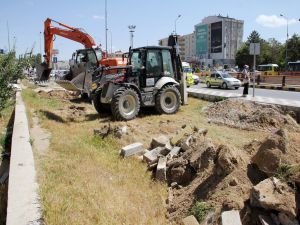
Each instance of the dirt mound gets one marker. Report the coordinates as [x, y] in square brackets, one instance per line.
[224, 176]
[249, 115]
[61, 94]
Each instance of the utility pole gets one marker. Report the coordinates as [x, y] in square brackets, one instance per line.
[8, 36]
[106, 28]
[287, 38]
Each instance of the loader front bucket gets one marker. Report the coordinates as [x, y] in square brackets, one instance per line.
[43, 72]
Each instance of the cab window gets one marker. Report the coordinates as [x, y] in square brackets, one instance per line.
[136, 61]
[153, 63]
[167, 63]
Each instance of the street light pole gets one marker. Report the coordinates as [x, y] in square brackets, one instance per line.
[110, 41]
[175, 22]
[131, 30]
[106, 27]
[41, 46]
[287, 38]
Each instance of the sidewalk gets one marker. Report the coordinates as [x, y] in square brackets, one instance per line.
[278, 87]
[212, 95]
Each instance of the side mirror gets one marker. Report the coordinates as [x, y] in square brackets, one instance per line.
[72, 62]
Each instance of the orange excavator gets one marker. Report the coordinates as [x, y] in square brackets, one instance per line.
[83, 60]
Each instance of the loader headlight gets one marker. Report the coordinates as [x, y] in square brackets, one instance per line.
[94, 86]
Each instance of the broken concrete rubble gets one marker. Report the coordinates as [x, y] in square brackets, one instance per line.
[231, 218]
[161, 169]
[190, 220]
[272, 194]
[132, 149]
[160, 141]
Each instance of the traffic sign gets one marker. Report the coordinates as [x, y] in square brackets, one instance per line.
[254, 48]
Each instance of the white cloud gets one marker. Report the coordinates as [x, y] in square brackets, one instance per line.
[96, 17]
[273, 21]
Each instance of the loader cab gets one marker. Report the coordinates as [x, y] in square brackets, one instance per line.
[149, 64]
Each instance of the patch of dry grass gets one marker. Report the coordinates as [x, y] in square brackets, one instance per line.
[84, 181]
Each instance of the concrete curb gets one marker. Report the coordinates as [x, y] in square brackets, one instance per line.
[23, 206]
[297, 89]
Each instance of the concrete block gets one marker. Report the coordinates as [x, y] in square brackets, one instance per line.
[174, 152]
[160, 141]
[152, 156]
[231, 218]
[190, 220]
[161, 170]
[132, 149]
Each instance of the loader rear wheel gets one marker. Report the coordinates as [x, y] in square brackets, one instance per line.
[168, 100]
[125, 104]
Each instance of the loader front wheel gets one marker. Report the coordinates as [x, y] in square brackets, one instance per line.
[96, 102]
[168, 100]
[125, 104]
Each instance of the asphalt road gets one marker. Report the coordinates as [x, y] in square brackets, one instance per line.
[289, 95]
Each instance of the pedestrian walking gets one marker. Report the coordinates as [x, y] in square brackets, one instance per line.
[246, 80]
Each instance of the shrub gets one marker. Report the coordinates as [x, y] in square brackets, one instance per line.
[10, 71]
[200, 210]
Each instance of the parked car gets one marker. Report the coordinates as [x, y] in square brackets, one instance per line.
[196, 79]
[223, 80]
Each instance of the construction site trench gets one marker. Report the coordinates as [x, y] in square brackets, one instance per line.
[207, 159]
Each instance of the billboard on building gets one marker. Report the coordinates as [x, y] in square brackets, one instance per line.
[216, 37]
[201, 39]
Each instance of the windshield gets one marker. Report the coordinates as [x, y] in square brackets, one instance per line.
[98, 54]
[226, 75]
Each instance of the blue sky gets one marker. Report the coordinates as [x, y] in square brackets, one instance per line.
[153, 19]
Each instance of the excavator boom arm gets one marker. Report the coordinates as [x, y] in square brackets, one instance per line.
[71, 33]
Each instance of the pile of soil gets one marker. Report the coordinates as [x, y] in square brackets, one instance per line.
[249, 115]
[224, 177]
[61, 94]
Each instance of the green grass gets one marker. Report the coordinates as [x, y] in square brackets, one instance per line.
[200, 210]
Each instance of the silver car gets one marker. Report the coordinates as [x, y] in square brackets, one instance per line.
[223, 80]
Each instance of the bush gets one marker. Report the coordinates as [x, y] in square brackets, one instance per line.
[10, 71]
[200, 210]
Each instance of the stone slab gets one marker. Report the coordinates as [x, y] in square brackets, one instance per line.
[231, 218]
[132, 149]
[161, 170]
[190, 220]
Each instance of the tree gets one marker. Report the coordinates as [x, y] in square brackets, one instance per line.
[10, 71]
[293, 45]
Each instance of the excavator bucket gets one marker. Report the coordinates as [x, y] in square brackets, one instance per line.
[43, 72]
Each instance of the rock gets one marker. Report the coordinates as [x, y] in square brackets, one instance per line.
[152, 156]
[120, 131]
[285, 220]
[269, 154]
[202, 155]
[187, 130]
[227, 159]
[173, 152]
[161, 169]
[103, 132]
[272, 194]
[190, 220]
[231, 218]
[132, 149]
[265, 220]
[170, 195]
[185, 143]
[233, 181]
[180, 174]
[160, 141]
